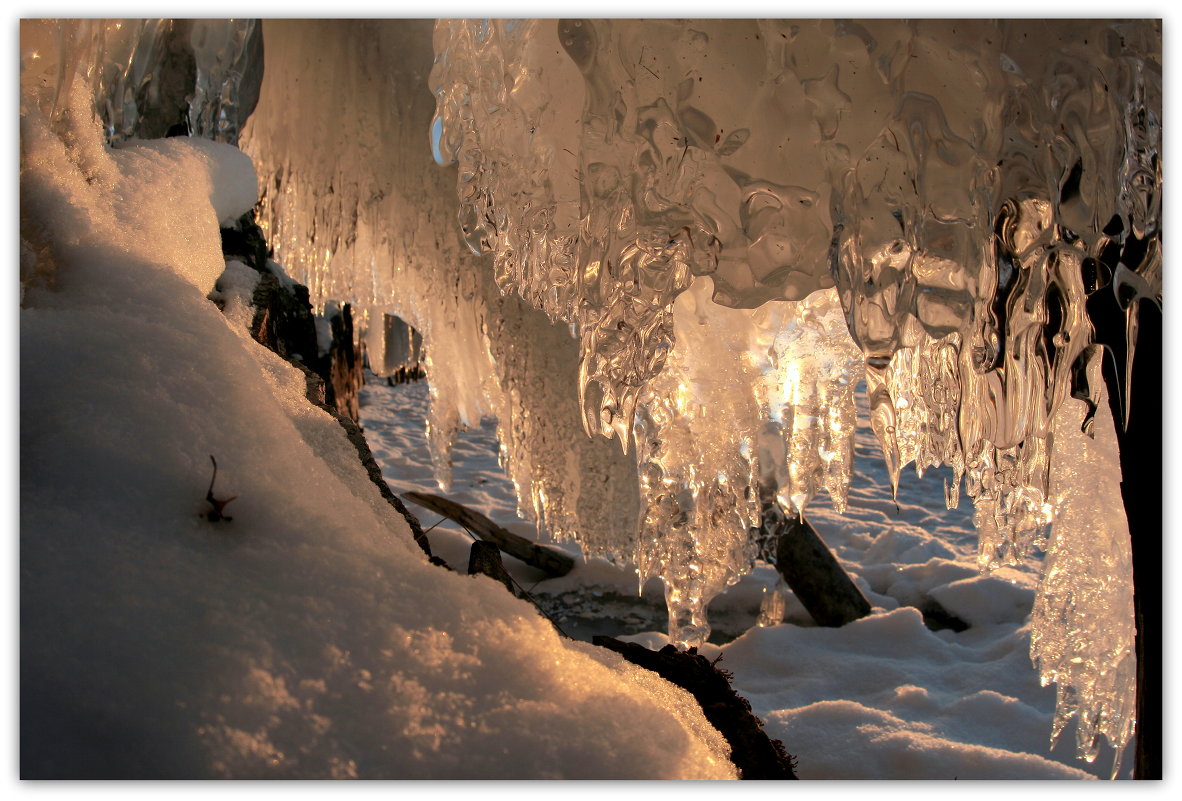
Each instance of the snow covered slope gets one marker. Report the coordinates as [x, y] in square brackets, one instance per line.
[307, 636]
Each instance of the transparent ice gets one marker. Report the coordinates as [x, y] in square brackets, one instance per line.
[965, 185]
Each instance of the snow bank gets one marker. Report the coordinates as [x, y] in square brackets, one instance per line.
[886, 698]
[306, 637]
[160, 195]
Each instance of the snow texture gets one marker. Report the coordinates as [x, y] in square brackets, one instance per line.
[306, 637]
[885, 697]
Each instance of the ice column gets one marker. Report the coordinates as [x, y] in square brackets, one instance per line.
[392, 346]
[1081, 637]
[225, 53]
[147, 75]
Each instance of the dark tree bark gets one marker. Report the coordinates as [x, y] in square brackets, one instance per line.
[756, 755]
[1141, 489]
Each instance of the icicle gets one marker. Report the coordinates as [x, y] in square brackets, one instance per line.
[1083, 633]
[956, 180]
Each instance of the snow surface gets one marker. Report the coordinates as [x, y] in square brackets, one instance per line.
[307, 637]
[884, 697]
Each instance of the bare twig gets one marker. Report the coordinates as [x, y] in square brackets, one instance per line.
[216, 513]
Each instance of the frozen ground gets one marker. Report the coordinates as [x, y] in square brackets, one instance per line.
[884, 697]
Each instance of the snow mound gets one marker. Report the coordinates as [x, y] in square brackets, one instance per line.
[233, 184]
[900, 749]
[983, 600]
[306, 636]
[885, 697]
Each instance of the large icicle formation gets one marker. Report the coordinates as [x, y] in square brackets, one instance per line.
[1081, 637]
[750, 404]
[737, 221]
[965, 185]
[356, 207]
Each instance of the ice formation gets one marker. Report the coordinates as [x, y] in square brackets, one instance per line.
[142, 72]
[392, 346]
[737, 220]
[965, 185]
[753, 407]
[1080, 638]
[357, 208]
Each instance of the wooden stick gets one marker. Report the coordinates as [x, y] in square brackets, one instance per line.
[548, 560]
[485, 559]
[815, 575]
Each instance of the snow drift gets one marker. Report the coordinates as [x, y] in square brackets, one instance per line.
[307, 637]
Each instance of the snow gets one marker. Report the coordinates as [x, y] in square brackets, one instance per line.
[985, 600]
[883, 697]
[167, 196]
[235, 289]
[308, 637]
